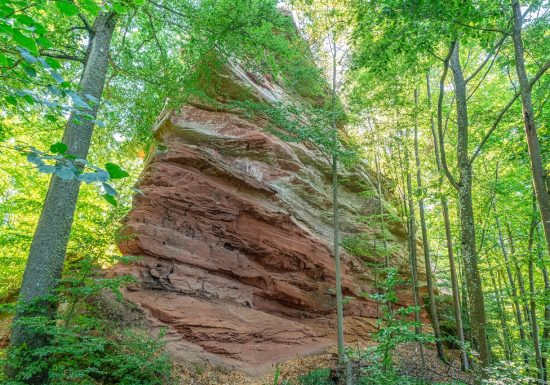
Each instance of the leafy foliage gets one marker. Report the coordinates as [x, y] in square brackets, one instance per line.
[84, 344]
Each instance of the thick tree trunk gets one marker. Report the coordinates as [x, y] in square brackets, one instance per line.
[468, 241]
[49, 244]
[537, 168]
[426, 246]
[448, 235]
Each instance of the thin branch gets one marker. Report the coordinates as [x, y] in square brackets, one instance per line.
[494, 52]
[171, 10]
[483, 77]
[440, 117]
[535, 78]
[154, 33]
[87, 25]
[62, 56]
[479, 28]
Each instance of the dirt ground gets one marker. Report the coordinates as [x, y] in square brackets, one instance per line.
[407, 357]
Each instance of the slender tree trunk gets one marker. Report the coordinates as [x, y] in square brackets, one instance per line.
[519, 274]
[382, 222]
[507, 345]
[339, 299]
[425, 241]
[546, 327]
[413, 255]
[532, 304]
[336, 224]
[468, 241]
[537, 168]
[449, 238]
[511, 282]
[381, 210]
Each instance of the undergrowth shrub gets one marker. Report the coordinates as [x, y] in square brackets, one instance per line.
[316, 377]
[83, 344]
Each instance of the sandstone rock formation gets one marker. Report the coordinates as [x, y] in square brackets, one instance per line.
[234, 233]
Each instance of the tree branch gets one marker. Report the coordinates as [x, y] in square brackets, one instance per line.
[62, 56]
[87, 25]
[494, 51]
[535, 78]
[440, 117]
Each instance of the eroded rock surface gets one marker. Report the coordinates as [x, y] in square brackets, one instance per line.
[234, 231]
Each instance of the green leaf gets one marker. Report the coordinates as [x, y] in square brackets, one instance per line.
[64, 173]
[29, 70]
[27, 56]
[3, 60]
[7, 29]
[50, 118]
[78, 101]
[109, 189]
[24, 41]
[53, 63]
[66, 7]
[44, 42]
[25, 19]
[46, 169]
[59, 148]
[91, 177]
[11, 100]
[90, 6]
[34, 158]
[111, 199]
[115, 171]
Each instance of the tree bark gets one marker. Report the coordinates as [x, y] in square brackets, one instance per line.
[507, 345]
[425, 241]
[48, 248]
[535, 158]
[511, 282]
[336, 219]
[413, 255]
[532, 305]
[468, 236]
[546, 323]
[448, 235]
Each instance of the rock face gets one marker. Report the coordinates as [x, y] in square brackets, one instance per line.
[234, 233]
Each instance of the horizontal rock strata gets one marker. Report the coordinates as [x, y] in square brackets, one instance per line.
[233, 230]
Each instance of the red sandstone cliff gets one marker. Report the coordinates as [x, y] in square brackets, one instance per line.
[234, 227]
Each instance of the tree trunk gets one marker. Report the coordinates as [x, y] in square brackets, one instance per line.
[507, 345]
[468, 241]
[381, 211]
[425, 241]
[448, 236]
[47, 253]
[339, 299]
[511, 282]
[537, 168]
[532, 304]
[336, 223]
[546, 327]
[413, 255]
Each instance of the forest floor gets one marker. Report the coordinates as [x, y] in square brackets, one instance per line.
[406, 357]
